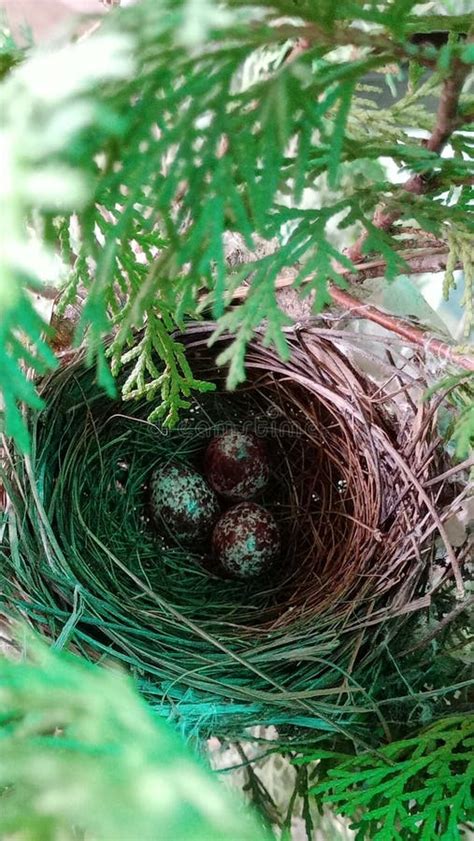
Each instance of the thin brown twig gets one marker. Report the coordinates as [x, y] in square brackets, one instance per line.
[418, 261]
[443, 623]
[464, 465]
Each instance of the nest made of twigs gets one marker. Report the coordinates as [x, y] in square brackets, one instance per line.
[358, 492]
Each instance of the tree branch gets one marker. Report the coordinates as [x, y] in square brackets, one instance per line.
[430, 260]
[446, 118]
[401, 327]
[419, 261]
[313, 35]
[446, 123]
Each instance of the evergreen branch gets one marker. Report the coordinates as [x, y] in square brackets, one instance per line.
[418, 261]
[314, 35]
[456, 24]
[172, 380]
[404, 329]
[431, 261]
[446, 123]
[420, 788]
[461, 250]
[34, 193]
[83, 757]
[160, 162]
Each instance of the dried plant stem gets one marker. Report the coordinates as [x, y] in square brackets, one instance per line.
[466, 604]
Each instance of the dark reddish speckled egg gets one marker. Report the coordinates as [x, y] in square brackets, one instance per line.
[246, 540]
[182, 503]
[236, 464]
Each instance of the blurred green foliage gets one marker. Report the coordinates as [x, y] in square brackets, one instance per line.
[82, 757]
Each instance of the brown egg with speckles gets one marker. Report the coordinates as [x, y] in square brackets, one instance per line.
[236, 465]
[246, 540]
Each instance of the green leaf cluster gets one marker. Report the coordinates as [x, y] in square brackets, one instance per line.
[415, 782]
[456, 421]
[22, 347]
[416, 788]
[461, 250]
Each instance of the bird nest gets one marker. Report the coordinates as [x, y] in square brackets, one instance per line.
[358, 489]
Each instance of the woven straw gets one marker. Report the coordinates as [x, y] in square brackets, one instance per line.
[359, 492]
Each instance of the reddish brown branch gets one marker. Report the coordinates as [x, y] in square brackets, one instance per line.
[447, 116]
[432, 260]
[402, 328]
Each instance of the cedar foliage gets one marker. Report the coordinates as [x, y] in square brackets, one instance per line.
[414, 788]
[133, 152]
[84, 759]
[417, 783]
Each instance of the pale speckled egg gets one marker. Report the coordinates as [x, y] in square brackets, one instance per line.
[182, 504]
[246, 540]
[236, 465]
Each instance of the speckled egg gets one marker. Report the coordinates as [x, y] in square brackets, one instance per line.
[182, 504]
[246, 540]
[236, 464]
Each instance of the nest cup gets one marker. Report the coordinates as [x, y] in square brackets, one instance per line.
[354, 490]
